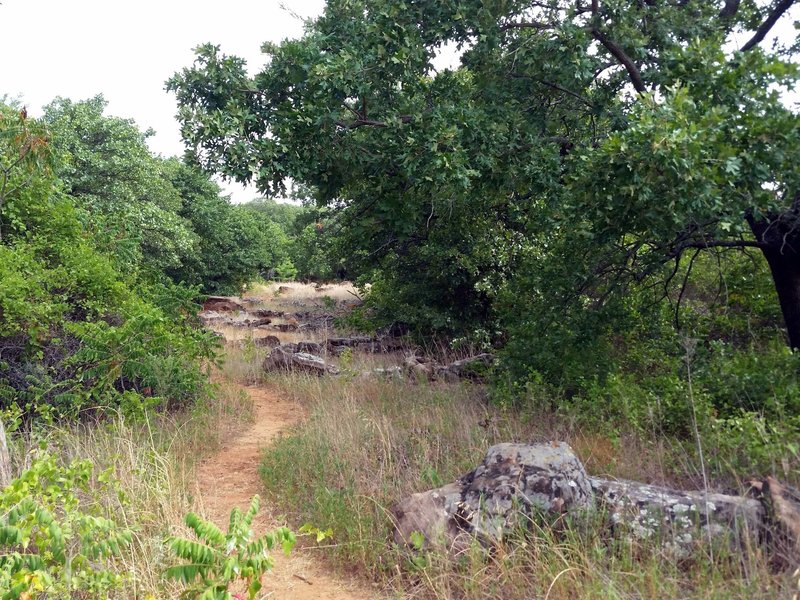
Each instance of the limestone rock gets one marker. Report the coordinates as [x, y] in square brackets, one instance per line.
[513, 481]
[678, 517]
[285, 358]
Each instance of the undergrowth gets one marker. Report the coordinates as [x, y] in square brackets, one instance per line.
[143, 476]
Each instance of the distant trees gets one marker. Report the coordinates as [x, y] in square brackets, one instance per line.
[103, 250]
[154, 214]
[78, 328]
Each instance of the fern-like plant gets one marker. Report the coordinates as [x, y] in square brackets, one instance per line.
[217, 560]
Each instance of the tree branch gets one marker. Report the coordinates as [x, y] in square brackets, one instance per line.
[703, 244]
[555, 86]
[619, 54]
[768, 23]
[370, 123]
[527, 25]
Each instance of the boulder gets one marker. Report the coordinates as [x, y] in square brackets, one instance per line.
[269, 341]
[517, 481]
[310, 347]
[285, 327]
[264, 313]
[286, 358]
[222, 304]
[513, 481]
[418, 368]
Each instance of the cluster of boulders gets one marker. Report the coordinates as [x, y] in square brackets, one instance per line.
[292, 357]
[232, 312]
[517, 483]
[310, 356]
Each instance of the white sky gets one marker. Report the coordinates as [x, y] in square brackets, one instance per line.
[127, 50]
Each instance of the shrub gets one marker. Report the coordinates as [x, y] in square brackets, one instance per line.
[54, 540]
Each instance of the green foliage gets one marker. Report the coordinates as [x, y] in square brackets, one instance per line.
[564, 163]
[78, 329]
[287, 216]
[217, 560]
[124, 193]
[235, 244]
[54, 540]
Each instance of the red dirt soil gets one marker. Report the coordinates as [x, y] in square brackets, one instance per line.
[230, 478]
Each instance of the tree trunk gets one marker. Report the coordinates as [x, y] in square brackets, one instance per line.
[785, 267]
[779, 237]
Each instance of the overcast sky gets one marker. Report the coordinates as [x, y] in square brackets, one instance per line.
[127, 50]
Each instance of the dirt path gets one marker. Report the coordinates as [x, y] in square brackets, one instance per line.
[230, 478]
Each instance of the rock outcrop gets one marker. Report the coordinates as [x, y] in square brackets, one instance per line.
[222, 304]
[286, 358]
[517, 482]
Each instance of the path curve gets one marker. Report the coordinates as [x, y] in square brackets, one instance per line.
[229, 478]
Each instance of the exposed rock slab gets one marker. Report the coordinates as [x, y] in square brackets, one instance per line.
[223, 304]
[285, 359]
[648, 511]
[517, 481]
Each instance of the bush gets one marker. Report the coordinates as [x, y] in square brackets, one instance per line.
[55, 540]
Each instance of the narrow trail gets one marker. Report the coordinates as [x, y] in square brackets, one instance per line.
[230, 478]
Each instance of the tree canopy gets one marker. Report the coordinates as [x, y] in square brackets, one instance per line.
[606, 138]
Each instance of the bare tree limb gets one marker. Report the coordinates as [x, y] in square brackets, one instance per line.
[623, 58]
[768, 23]
[705, 244]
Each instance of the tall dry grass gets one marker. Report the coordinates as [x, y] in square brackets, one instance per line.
[152, 463]
[370, 442]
